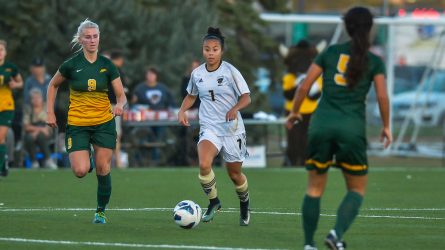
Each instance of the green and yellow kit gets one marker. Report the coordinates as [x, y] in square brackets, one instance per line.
[90, 118]
[7, 70]
[337, 133]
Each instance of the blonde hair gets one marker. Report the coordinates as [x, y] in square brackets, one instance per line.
[3, 42]
[87, 24]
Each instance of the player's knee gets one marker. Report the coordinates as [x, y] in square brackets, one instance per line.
[205, 168]
[79, 173]
[235, 175]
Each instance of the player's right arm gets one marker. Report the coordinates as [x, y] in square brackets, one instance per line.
[187, 103]
[53, 86]
[314, 72]
[383, 100]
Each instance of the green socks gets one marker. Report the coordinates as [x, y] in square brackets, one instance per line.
[347, 212]
[103, 191]
[311, 213]
[2, 156]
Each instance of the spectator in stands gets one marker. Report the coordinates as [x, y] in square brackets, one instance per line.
[38, 79]
[297, 62]
[157, 97]
[117, 57]
[153, 93]
[185, 81]
[188, 136]
[37, 134]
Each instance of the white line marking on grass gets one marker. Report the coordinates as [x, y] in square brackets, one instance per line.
[404, 209]
[51, 209]
[118, 244]
[228, 210]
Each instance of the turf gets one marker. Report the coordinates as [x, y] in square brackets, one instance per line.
[404, 209]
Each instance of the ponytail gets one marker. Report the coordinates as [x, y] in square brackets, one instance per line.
[358, 22]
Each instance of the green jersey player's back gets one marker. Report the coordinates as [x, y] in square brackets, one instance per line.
[339, 103]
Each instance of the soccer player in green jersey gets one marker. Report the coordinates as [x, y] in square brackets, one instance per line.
[10, 79]
[90, 116]
[337, 134]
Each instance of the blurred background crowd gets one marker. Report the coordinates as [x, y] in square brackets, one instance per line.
[155, 44]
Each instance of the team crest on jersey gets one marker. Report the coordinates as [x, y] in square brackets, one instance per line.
[70, 143]
[103, 70]
[220, 80]
[8, 70]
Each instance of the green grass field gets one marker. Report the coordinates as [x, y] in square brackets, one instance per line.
[404, 209]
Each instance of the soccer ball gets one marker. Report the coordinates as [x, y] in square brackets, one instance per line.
[187, 214]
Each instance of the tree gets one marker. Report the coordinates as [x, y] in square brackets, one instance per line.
[167, 34]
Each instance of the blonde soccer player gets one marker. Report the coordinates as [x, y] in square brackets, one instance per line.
[90, 116]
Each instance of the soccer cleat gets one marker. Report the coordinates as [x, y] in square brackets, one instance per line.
[5, 170]
[309, 247]
[100, 218]
[333, 243]
[211, 211]
[244, 214]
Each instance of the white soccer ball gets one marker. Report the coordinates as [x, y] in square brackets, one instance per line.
[187, 214]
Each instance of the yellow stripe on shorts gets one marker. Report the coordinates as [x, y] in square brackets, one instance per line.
[319, 164]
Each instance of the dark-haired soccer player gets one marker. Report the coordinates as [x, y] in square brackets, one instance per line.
[337, 129]
[223, 93]
[90, 116]
[10, 79]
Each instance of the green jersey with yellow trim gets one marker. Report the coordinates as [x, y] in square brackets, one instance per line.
[7, 70]
[89, 83]
[339, 103]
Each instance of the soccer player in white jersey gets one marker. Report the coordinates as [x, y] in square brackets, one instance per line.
[223, 93]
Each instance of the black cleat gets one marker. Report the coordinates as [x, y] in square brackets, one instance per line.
[5, 170]
[333, 243]
[211, 211]
[244, 213]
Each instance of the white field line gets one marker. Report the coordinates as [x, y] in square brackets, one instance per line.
[119, 244]
[234, 210]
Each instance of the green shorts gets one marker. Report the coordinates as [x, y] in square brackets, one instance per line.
[343, 149]
[6, 118]
[80, 137]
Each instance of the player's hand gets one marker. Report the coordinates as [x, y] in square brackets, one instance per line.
[232, 115]
[385, 137]
[182, 119]
[293, 119]
[118, 110]
[13, 84]
[51, 120]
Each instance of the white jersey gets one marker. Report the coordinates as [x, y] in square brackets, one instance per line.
[218, 91]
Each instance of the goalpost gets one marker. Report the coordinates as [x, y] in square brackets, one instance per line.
[392, 23]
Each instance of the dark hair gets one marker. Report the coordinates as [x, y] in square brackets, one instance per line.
[214, 34]
[358, 22]
[116, 54]
[152, 69]
[38, 62]
[300, 57]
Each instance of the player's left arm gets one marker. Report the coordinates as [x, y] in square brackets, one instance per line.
[16, 82]
[383, 101]
[243, 102]
[312, 75]
[120, 96]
